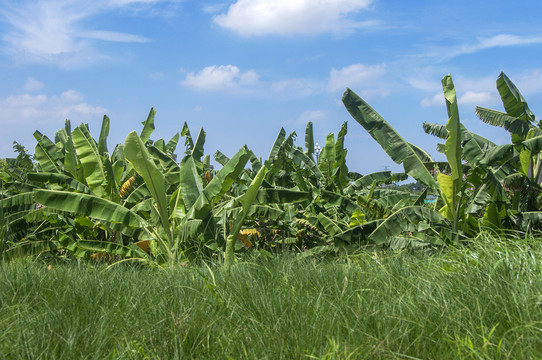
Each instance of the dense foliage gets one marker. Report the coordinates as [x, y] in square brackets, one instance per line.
[78, 199]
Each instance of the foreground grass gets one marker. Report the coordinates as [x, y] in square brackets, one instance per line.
[481, 302]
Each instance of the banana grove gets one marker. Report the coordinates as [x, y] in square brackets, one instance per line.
[75, 198]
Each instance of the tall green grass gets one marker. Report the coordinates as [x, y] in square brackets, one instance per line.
[483, 301]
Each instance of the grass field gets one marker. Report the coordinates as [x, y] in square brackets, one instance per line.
[483, 301]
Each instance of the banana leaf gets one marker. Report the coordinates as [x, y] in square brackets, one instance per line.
[402, 220]
[281, 196]
[104, 132]
[219, 185]
[390, 141]
[136, 153]
[514, 103]
[309, 140]
[89, 205]
[62, 180]
[197, 151]
[221, 158]
[148, 127]
[190, 182]
[90, 159]
[246, 202]
[46, 153]
[172, 144]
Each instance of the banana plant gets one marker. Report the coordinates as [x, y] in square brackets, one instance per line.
[526, 137]
[458, 202]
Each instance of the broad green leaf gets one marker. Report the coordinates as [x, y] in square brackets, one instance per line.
[255, 162]
[357, 218]
[276, 146]
[16, 201]
[59, 179]
[422, 154]
[190, 182]
[392, 143]
[329, 225]
[221, 158]
[500, 119]
[167, 163]
[197, 151]
[70, 159]
[359, 233]
[514, 103]
[219, 185]
[46, 153]
[340, 170]
[111, 248]
[87, 151]
[309, 140]
[402, 221]
[367, 180]
[137, 154]
[492, 218]
[111, 185]
[148, 127]
[446, 184]
[329, 198]
[89, 205]
[497, 155]
[246, 201]
[453, 141]
[172, 144]
[281, 196]
[104, 133]
[188, 143]
[61, 136]
[160, 144]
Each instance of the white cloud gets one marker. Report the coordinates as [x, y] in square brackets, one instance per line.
[113, 36]
[32, 84]
[286, 17]
[528, 82]
[435, 100]
[71, 96]
[501, 40]
[57, 32]
[479, 98]
[467, 98]
[368, 78]
[475, 98]
[28, 110]
[220, 78]
[478, 91]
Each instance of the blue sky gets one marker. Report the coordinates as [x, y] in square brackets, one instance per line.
[242, 69]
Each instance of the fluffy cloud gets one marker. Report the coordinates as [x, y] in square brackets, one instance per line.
[435, 100]
[220, 78]
[286, 17]
[54, 32]
[38, 109]
[475, 98]
[444, 53]
[528, 82]
[366, 77]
